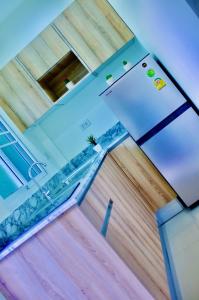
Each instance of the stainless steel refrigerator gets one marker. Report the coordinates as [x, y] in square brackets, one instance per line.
[162, 122]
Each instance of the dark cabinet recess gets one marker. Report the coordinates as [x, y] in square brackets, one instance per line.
[69, 67]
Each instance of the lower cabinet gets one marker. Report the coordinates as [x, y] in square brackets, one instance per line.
[137, 190]
[68, 260]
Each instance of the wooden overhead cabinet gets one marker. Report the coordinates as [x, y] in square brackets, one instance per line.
[12, 115]
[84, 36]
[21, 95]
[70, 68]
[94, 30]
[43, 52]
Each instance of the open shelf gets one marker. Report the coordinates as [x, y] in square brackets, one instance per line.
[69, 67]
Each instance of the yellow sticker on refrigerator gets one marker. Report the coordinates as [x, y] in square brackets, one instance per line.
[159, 83]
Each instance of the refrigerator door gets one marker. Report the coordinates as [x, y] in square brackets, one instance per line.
[175, 152]
[137, 101]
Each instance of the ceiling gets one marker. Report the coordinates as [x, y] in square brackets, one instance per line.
[22, 20]
[7, 7]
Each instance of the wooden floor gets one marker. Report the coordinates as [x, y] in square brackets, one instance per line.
[137, 190]
[68, 260]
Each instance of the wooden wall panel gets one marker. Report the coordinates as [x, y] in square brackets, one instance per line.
[43, 52]
[137, 191]
[68, 260]
[20, 94]
[94, 29]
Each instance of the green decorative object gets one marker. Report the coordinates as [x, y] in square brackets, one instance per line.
[127, 65]
[66, 81]
[150, 73]
[109, 76]
[109, 79]
[91, 140]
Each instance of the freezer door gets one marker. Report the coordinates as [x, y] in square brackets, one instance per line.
[175, 153]
[138, 103]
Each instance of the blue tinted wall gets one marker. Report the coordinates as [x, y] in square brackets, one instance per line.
[22, 20]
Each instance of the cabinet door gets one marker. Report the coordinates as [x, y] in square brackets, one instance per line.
[132, 230]
[94, 30]
[43, 52]
[21, 95]
[12, 115]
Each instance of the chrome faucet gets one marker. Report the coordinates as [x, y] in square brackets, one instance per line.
[45, 193]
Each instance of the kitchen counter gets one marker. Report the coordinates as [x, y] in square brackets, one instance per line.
[70, 260]
[25, 222]
[124, 175]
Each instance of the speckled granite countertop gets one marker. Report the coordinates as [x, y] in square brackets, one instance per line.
[35, 214]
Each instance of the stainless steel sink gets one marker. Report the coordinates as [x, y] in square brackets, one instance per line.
[61, 195]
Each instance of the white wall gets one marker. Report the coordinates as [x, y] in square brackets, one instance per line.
[169, 29]
[22, 22]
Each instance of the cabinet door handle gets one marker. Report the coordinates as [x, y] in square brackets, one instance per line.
[104, 227]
